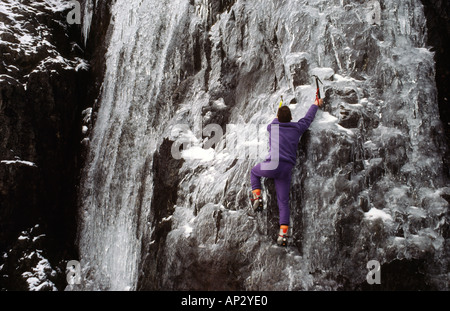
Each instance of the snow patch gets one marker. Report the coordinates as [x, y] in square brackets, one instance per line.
[37, 279]
[9, 162]
[187, 230]
[198, 153]
[375, 213]
[219, 104]
[323, 73]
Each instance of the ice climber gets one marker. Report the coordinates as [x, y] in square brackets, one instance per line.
[284, 137]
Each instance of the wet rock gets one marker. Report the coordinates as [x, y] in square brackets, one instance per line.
[299, 71]
[349, 118]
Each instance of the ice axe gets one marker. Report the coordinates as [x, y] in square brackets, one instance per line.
[317, 85]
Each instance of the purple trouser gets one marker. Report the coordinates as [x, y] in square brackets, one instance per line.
[282, 176]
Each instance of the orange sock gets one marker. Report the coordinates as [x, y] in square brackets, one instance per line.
[284, 228]
[256, 192]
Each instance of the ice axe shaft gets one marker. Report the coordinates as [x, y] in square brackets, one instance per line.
[317, 85]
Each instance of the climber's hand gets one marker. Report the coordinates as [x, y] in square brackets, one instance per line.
[319, 102]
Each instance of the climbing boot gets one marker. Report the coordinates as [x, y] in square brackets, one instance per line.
[283, 236]
[257, 202]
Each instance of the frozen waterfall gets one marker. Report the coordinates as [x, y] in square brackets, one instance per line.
[368, 183]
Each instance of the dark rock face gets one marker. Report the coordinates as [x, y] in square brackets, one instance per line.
[42, 90]
[438, 23]
[164, 199]
[95, 52]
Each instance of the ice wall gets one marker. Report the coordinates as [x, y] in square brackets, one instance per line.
[368, 184]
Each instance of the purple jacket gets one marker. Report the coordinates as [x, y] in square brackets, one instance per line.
[289, 136]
